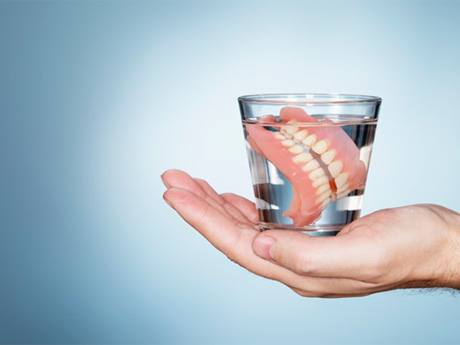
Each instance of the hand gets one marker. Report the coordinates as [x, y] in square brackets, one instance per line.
[413, 246]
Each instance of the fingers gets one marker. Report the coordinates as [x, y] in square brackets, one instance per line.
[231, 209]
[334, 257]
[212, 224]
[245, 206]
[239, 207]
[339, 293]
[227, 236]
[210, 191]
[331, 287]
[180, 179]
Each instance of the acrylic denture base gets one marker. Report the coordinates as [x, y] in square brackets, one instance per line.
[321, 162]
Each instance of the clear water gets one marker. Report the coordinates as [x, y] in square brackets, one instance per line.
[274, 192]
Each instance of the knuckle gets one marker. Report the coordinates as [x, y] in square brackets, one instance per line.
[302, 263]
[232, 249]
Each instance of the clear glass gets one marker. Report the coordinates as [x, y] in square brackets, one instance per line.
[309, 155]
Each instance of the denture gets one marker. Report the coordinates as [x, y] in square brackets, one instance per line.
[321, 161]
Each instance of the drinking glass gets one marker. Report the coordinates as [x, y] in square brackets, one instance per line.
[309, 155]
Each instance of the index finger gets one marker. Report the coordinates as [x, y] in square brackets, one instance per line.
[231, 238]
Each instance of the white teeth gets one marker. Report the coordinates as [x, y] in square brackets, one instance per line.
[341, 180]
[310, 140]
[344, 193]
[312, 165]
[290, 129]
[319, 181]
[342, 189]
[328, 156]
[302, 158]
[335, 168]
[300, 135]
[279, 136]
[296, 149]
[287, 143]
[322, 197]
[315, 174]
[323, 188]
[320, 147]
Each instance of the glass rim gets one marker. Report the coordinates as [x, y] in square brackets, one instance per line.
[309, 98]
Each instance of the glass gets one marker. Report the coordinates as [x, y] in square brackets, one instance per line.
[309, 155]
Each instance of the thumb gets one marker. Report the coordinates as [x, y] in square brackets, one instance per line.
[314, 256]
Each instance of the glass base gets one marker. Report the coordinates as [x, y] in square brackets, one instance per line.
[311, 230]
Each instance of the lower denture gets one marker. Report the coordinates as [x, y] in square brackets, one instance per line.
[321, 162]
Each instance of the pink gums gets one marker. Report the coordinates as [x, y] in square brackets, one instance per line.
[303, 209]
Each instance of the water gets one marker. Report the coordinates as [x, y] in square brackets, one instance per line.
[293, 172]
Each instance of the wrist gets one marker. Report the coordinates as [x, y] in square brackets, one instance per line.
[452, 273]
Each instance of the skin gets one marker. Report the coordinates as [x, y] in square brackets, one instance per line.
[411, 246]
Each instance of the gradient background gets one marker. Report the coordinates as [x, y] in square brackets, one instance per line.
[98, 98]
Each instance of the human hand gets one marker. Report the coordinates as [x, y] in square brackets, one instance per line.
[412, 246]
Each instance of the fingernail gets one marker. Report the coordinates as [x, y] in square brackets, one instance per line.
[262, 246]
[164, 181]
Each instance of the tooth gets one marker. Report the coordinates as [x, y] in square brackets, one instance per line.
[316, 174]
[328, 156]
[296, 149]
[279, 136]
[323, 188]
[341, 180]
[300, 135]
[312, 165]
[302, 158]
[322, 197]
[319, 181]
[344, 193]
[343, 188]
[309, 140]
[320, 147]
[287, 143]
[335, 168]
[290, 129]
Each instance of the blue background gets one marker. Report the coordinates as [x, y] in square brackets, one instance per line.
[98, 98]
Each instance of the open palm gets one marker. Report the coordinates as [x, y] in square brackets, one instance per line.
[413, 246]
